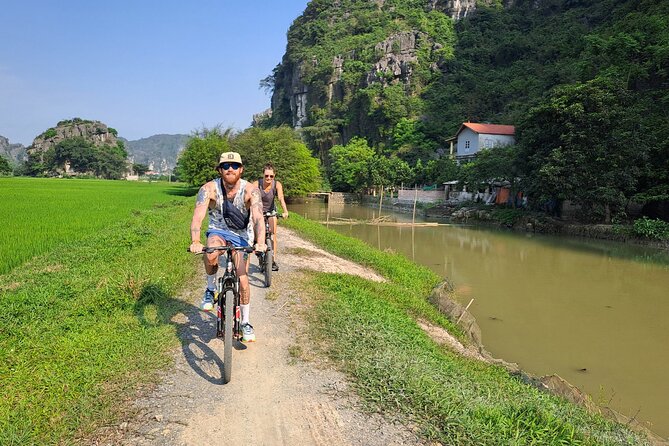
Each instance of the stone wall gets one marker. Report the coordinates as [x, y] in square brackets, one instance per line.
[423, 196]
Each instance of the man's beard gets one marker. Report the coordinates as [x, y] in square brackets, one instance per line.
[231, 180]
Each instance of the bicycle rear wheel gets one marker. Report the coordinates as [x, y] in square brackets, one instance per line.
[228, 309]
[269, 259]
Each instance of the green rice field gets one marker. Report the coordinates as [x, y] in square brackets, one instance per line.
[39, 214]
[89, 283]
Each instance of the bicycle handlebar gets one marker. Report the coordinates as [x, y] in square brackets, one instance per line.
[210, 249]
[272, 214]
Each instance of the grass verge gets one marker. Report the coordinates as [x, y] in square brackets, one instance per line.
[369, 331]
[83, 326]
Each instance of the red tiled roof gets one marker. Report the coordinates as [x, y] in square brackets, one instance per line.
[492, 129]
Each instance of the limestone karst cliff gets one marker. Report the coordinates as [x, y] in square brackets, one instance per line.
[355, 67]
[94, 131]
[13, 152]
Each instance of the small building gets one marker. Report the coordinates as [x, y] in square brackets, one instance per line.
[473, 137]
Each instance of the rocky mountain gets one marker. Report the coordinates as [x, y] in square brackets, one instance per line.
[13, 152]
[356, 67]
[405, 74]
[94, 132]
[159, 152]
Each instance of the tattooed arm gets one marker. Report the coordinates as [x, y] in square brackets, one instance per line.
[204, 196]
[255, 205]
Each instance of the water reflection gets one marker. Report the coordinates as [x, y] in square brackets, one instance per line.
[593, 312]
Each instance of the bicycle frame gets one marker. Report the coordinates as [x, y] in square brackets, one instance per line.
[229, 281]
[227, 299]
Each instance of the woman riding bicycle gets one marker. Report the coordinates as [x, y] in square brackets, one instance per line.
[269, 189]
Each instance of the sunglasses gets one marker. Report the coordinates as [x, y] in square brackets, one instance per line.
[226, 166]
[269, 176]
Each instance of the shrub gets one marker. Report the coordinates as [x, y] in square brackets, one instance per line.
[651, 228]
[50, 133]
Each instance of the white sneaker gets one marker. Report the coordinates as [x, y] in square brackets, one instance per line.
[248, 335]
[207, 300]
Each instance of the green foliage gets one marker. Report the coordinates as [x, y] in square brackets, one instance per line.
[295, 167]
[507, 216]
[356, 166]
[409, 142]
[5, 166]
[655, 229]
[73, 121]
[140, 169]
[197, 163]
[441, 170]
[113, 131]
[583, 143]
[49, 133]
[348, 170]
[83, 156]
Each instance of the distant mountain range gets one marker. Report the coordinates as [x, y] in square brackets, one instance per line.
[159, 152]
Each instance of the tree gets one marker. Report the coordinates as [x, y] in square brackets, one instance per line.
[491, 166]
[140, 169]
[349, 165]
[582, 144]
[383, 171]
[441, 170]
[294, 165]
[84, 157]
[110, 161]
[5, 167]
[197, 163]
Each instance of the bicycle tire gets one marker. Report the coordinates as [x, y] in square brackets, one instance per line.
[269, 259]
[228, 309]
[219, 308]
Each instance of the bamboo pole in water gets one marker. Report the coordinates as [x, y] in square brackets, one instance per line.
[463, 313]
[415, 199]
[380, 201]
[327, 217]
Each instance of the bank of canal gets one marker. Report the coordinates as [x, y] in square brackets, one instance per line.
[593, 312]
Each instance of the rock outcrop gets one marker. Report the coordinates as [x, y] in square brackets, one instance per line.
[94, 131]
[13, 152]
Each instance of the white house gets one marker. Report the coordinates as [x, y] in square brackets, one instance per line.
[473, 137]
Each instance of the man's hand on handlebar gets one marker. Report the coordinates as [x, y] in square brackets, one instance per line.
[285, 214]
[260, 247]
[196, 247]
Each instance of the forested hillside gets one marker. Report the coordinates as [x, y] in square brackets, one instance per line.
[582, 81]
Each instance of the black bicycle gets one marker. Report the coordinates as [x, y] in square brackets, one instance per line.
[266, 258]
[227, 301]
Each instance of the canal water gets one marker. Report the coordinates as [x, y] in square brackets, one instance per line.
[594, 312]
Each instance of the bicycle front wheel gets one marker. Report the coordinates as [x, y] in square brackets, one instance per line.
[269, 259]
[228, 309]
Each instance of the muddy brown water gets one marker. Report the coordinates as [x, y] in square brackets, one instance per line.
[594, 312]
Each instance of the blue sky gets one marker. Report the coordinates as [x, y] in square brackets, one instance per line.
[142, 67]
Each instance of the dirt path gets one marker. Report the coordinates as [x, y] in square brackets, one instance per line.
[273, 398]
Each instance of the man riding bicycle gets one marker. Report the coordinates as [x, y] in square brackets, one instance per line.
[269, 189]
[235, 214]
